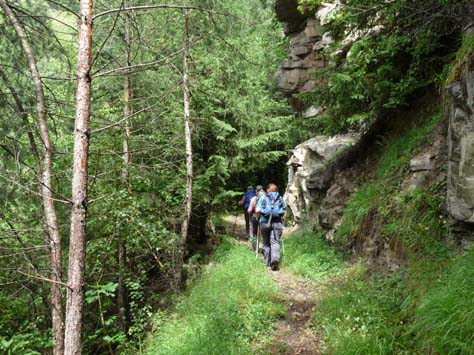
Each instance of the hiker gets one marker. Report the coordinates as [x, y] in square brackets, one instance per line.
[253, 214]
[271, 208]
[245, 202]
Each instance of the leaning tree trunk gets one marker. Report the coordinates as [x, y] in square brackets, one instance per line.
[46, 191]
[189, 158]
[77, 246]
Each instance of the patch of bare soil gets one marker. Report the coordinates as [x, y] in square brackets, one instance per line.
[295, 335]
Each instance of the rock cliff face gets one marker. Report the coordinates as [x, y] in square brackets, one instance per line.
[318, 189]
[460, 105]
[305, 53]
[310, 172]
[313, 164]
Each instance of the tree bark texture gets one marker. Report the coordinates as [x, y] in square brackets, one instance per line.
[189, 157]
[128, 109]
[77, 246]
[45, 187]
[127, 159]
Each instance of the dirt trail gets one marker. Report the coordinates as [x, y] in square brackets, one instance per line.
[294, 334]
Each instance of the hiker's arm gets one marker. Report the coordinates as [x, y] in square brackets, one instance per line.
[258, 208]
[242, 201]
[253, 202]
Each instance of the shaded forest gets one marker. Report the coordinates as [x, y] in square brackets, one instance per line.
[130, 129]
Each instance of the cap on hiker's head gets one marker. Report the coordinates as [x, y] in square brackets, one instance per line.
[250, 187]
[258, 188]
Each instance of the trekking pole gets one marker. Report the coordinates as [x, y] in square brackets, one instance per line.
[256, 247]
[235, 222]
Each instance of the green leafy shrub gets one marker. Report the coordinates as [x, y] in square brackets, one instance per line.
[464, 56]
[390, 56]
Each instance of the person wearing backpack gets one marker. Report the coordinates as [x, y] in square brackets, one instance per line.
[245, 202]
[271, 208]
[253, 215]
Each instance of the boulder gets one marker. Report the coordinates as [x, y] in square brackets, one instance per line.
[310, 171]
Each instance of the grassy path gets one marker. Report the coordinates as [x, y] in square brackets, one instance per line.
[295, 333]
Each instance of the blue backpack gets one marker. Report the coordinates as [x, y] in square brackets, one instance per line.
[248, 196]
[273, 205]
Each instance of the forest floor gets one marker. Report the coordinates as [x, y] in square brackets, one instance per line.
[295, 334]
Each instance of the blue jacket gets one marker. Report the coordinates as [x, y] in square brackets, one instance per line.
[264, 205]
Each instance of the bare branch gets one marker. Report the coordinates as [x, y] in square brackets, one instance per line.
[150, 7]
[122, 69]
[64, 7]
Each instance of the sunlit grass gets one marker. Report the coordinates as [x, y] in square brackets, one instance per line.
[226, 311]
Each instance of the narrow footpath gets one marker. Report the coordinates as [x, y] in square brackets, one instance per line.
[294, 334]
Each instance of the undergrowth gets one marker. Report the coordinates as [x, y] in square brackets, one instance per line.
[464, 56]
[444, 321]
[427, 306]
[412, 222]
[308, 255]
[226, 311]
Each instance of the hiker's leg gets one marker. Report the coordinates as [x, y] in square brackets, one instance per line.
[265, 231]
[254, 226]
[247, 224]
[254, 221]
[275, 237]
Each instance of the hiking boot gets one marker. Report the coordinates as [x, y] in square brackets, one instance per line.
[274, 265]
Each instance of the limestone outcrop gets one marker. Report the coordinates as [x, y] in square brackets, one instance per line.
[460, 97]
[306, 50]
[310, 171]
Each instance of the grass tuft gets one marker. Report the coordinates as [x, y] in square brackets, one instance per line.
[307, 254]
[444, 322]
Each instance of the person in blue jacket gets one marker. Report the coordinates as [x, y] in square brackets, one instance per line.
[271, 208]
[245, 202]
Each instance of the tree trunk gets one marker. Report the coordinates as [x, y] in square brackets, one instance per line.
[127, 159]
[77, 246]
[45, 187]
[189, 158]
[128, 109]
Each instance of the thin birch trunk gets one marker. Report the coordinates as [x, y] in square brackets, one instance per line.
[189, 157]
[77, 246]
[45, 187]
[127, 159]
[128, 109]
